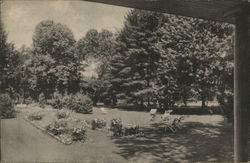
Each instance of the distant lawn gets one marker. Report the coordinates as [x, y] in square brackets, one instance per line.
[204, 138]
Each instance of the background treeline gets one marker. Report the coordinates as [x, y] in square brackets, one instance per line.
[155, 59]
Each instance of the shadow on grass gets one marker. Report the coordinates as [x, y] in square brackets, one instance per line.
[195, 142]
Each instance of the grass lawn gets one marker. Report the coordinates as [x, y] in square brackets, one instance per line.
[204, 138]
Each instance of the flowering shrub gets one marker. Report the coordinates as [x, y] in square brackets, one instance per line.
[79, 133]
[116, 127]
[6, 106]
[75, 129]
[35, 116]
[58, 127]
[98, 123]
[62, 114]
[131, 130]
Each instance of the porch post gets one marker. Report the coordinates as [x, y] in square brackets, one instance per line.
[241, 86]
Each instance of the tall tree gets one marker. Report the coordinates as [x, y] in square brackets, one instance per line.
[197, 47]
[135, 72]
[96, 49]
[55, 65]
[54, 39]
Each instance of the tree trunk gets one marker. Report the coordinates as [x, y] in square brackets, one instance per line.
[203, 103]
[142, 102]
[114, 100]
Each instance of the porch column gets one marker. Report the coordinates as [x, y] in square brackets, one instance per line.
[241, 85]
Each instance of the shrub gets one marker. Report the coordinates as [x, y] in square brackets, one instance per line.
[226, 101]
[28, 101]
[6, 106]
[131, 130]
[67, 100]
[42, 100]
[62, 114]
[79, 132]
[116, 126]
[56, 101]
[35, 116]
[58, 127]
[98, 123]
[76, 129]
[81, 103]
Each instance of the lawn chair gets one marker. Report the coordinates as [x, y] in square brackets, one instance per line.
[177, 123]
[152, 114]
[166, 115]
[174, 124]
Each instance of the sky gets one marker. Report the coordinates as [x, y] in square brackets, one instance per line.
[20, 17]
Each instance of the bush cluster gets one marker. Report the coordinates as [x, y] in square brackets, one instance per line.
[75, 129]
[6, 106]
[58, 127]
[78, 102]
[98, 123]
[116, 127]
[78, 132]
[62, 114]
[35, 116]
[81, 104]
[131, 130]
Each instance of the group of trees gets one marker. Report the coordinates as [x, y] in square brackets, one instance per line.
[164, 58]
[154, 58]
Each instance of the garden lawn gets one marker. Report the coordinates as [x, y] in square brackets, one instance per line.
[204, 138]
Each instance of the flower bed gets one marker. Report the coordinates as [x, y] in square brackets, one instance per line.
[58, 124]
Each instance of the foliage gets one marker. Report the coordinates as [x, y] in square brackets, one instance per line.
[198, 46]
[6, 106]
[10, 66]
[95, 44]
[28, 101]
[38, 115]
[116, 127]
[53, 65]
[58, 127]
[42, 100]
[134, 68]
[81, 104]
[76, 129]
[131, 130]
[54, 39]
[56, 101]
[79, 132]
[61, 114]
[98, 123]
[77, 102]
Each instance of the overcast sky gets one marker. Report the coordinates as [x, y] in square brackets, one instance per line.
[20, 17]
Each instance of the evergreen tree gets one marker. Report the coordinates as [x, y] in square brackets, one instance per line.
[134, 70]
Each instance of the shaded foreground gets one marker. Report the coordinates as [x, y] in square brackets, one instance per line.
[204, 138]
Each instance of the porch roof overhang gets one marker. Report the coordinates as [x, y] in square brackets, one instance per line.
[216, 10]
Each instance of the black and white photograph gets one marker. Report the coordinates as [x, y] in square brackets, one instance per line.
[125, 81]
